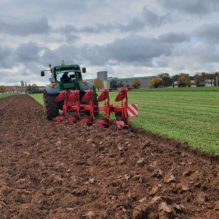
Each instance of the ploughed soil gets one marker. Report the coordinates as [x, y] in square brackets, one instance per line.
[50, 170]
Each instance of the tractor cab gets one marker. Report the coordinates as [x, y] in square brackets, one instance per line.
[67, 76]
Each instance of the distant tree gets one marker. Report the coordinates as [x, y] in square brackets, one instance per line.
[98, 84]
[184, 80]
[31, 89]
[156, 82]
[136, 83]
[113, 84]
[120, 84]
[2, 89]
[216, 78]
[19, 90]
[211, 77]
[35, 88]
[199, 79]
[167, 81]
[22, 83]
[9, 89]
[174, 79]
[14, 89]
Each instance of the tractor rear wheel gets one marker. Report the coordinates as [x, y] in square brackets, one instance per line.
[51, 105]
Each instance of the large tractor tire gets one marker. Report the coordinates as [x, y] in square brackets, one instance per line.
[51, 105]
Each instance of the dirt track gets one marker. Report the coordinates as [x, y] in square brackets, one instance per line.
[64, 171]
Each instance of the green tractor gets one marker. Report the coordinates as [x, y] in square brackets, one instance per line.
[64, 78]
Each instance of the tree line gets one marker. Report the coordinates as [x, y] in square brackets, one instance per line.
[185, 80]
[115, 83]
[23, 88]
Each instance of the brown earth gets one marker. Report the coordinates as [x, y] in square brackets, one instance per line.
[50, 170]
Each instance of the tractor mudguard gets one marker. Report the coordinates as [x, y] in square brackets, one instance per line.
[52, 90]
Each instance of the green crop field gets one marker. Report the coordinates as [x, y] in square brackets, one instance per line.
[4, 95]
[189, 115]
[38, 98]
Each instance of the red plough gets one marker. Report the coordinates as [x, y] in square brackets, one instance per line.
[85, 109]
[106, 108]
[71, 103]
[88, 107]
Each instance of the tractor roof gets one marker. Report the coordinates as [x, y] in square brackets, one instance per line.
[66, 67]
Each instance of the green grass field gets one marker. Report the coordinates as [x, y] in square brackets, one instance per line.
[4, 95]
[188, 115]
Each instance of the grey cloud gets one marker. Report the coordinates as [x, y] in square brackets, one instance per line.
[148, 18]
[73, 5]
[137, 49]
[51, 7]
[174, 37]
[208, 32]
[94, 29]
[5, 54]
[8, 77]
[29, 74]
[98, 28]
[71, 37]
[48, 57]
[24, 28]
[205, 53]
[153, 19]
[191, 6]
[27, 52]
[130, 50]
[68, 53]
[133, 49]
[171, 25]
[193, 57]
[133, 25]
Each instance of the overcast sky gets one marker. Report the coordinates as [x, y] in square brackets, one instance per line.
[125, 37]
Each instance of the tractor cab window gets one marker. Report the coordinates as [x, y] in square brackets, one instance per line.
[68, 76]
